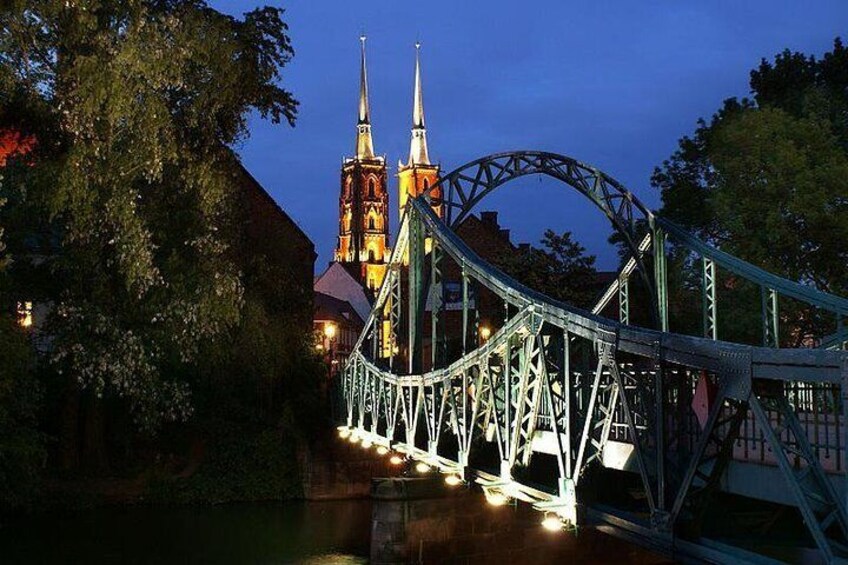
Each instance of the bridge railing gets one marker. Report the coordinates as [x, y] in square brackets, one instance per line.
[688, 406]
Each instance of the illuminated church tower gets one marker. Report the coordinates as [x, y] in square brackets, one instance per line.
[418, 174]
[363, 243]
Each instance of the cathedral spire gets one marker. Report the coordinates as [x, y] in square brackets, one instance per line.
[364, 144]
[418, 147]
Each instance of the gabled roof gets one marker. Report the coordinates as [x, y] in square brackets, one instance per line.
[264, 194]
[337, 282]
[331, 308]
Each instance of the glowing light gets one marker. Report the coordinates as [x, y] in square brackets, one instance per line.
[496, 498]
[330, 330]
[485, 333]
[366, 443]
[25, 314]
[344, 433]
[353, 438]
[422, 467]
[452, 480]
[382, 450]
[552, 523]
[396, 460]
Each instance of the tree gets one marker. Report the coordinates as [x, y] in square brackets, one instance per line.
[146, 96]
[764, 180]
[560, 269]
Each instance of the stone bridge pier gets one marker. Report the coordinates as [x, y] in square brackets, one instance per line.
[421, 521]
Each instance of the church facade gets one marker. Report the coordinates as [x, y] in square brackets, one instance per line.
[363, 245]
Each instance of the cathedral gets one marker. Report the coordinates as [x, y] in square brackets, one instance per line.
[363, 242]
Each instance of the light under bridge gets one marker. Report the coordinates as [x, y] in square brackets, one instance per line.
[556, 393]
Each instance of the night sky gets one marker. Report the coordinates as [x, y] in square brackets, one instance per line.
[613, 84]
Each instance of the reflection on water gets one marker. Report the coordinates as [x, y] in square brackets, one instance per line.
[464, 529]
[453, 530]
[295, 532]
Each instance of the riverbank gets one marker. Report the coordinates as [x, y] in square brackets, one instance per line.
[239, 465]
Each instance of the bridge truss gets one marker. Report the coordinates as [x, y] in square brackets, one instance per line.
[555, 391]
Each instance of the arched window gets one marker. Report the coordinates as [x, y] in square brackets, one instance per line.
[370, 188]
[371, 223]
[426, 185]
[370, 255]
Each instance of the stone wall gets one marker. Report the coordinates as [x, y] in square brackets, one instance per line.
[464, 529]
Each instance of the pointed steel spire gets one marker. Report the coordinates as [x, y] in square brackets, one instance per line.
[418, 147]
[364, 143]
[418, 101]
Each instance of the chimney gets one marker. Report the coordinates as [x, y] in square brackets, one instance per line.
[490, 219]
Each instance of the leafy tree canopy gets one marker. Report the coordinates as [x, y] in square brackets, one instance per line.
[560, 268]
[765, 178]
[143, 98]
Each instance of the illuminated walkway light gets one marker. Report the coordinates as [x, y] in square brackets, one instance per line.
[382, 450]
[422, 467]
[552, 523]
[396, 460]
[496, 498]
[344, 432]
[452, 480]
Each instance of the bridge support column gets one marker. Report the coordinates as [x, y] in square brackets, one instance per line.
[416, 284]
[506, 470]
[462, 458]
[660, 277]
[568, 493]
[432, 448]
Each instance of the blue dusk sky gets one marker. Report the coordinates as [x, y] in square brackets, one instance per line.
[614, 84]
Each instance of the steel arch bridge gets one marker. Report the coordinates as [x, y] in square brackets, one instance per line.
[557, 391]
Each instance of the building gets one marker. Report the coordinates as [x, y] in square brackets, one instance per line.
[363, 242]
[490, 241]
[418, 175]
[337, 326]
[337, 281]
[271, 235]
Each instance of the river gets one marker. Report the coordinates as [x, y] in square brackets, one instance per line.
[342, 532]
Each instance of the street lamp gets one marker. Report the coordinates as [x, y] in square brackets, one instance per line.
[485, 333]
[330, 330]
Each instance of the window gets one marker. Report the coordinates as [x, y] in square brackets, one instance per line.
[371, 223]
[370, 255]
[371, 283]
[426, 185]
[370, 188]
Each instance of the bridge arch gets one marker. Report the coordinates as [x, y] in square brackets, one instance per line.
[522, 391]
[464, 187]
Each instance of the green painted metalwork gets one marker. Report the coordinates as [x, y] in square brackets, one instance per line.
[416, 290]
[771, 337]
[436, 303]
[521, 390]
[661, 277]
[708, 288]
[624, 301]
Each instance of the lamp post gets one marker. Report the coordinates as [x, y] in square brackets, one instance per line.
[330, 330]
[485, 333]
